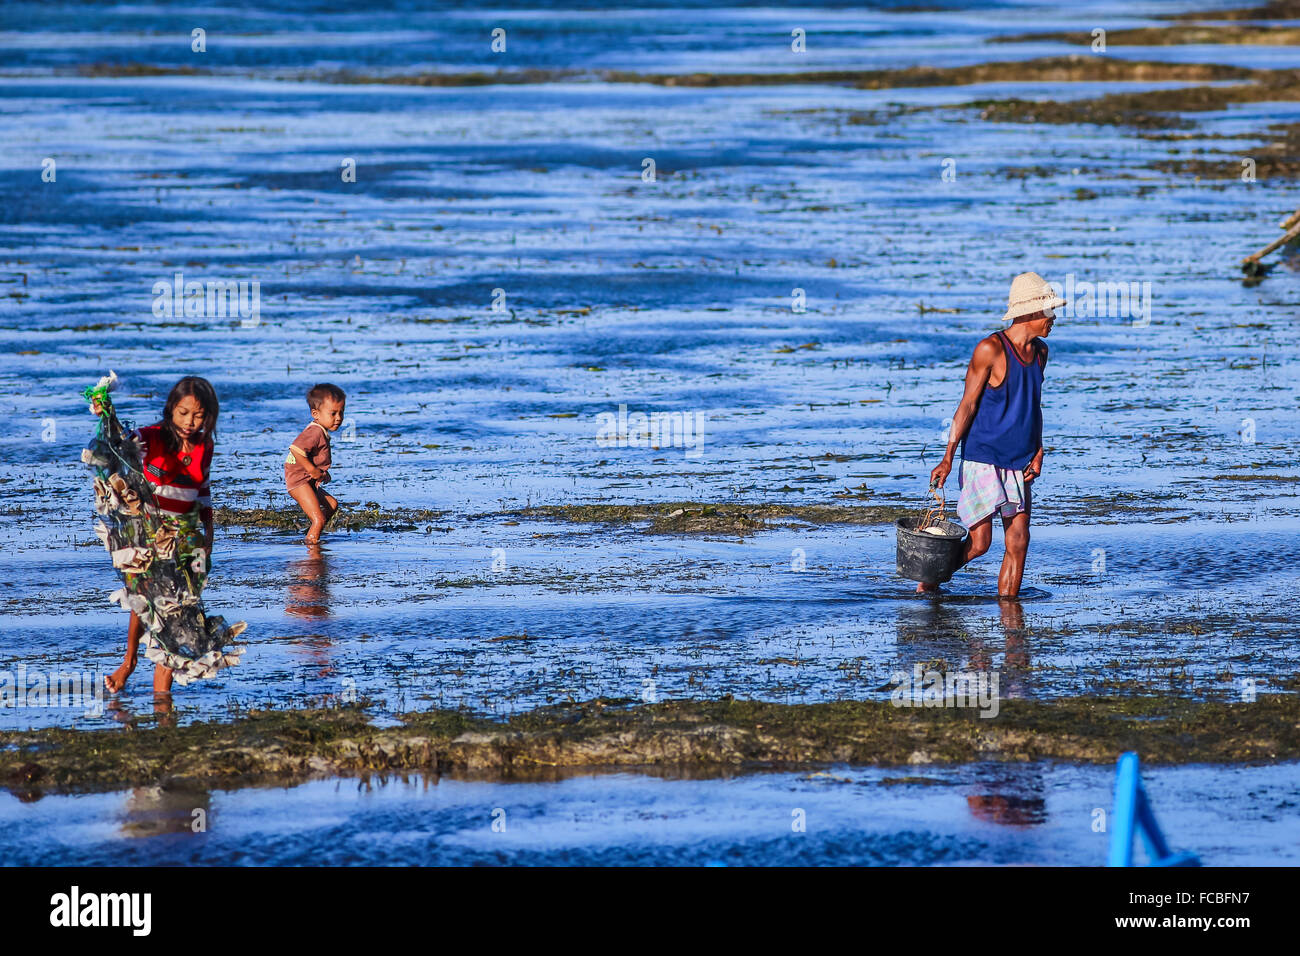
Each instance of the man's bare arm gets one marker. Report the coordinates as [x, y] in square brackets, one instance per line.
[1035, 467]
[977, 376]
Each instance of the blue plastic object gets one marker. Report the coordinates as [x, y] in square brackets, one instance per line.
[1133, 812]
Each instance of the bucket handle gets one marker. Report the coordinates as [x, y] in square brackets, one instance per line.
[936, 512]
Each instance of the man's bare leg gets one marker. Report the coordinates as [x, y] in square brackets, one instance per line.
[309, 501]
[1015, 535]
[977, 543]
[117, 680]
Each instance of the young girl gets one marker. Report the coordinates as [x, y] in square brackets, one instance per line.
[152, 485]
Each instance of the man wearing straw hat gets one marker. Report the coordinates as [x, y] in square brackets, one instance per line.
[999, 425]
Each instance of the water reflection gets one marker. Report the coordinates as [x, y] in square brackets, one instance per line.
[948, 635]
[308, 598]
[308, 577]
[164, 709]
[152, 811]
[1011, 794]
[961, 636]
[932, 630]
[1014, 634]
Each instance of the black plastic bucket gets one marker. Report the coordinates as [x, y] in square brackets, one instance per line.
[929, 557]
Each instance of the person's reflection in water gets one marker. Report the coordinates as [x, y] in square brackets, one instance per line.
[1013, 676]
[163, 708]
[1015, 656]
[1007, 794]
[1291, 257]
[152, 811]
[309, 598]
[929, 631]
[937, 632]
[309, 595]
[1010, 795]
[1013, 626]
[120, 711]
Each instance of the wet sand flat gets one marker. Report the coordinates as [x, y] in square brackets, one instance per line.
[827, 237]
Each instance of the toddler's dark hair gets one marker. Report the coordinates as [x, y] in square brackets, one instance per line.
[318, 394]
[203, 392]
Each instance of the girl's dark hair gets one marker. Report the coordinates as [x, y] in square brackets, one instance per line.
[203, 392]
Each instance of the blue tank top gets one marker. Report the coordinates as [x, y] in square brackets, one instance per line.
[1008, 427]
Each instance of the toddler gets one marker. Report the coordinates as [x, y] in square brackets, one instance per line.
[307, 466]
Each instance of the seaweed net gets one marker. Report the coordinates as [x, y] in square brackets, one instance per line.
[159, 556]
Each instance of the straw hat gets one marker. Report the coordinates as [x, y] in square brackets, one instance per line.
[1030, 293]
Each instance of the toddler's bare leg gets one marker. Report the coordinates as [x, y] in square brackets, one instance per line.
[308, 500]
[328, 504]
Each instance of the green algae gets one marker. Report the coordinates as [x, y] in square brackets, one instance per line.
[686, 517]
[1073, 68]
[693, 517]
[1277, 158]
[1273, 10]
[1171, 36]
[723, 735]
[1155, 110]
[1152, 109]
[369, 516]
[100, 70]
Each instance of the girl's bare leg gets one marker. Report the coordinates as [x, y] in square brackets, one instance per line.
[328, 504]
[162, 681]
[309, 501]
[117, 680]
[1015, 535]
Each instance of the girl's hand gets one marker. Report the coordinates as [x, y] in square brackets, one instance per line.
[1033, 470]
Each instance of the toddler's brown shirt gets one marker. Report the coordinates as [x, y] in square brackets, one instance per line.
[315, 441]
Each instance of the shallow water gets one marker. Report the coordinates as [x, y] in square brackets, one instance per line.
[665, 296]
[1022, 814]
[684, 37]
[1165, 552]
[413, 620]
